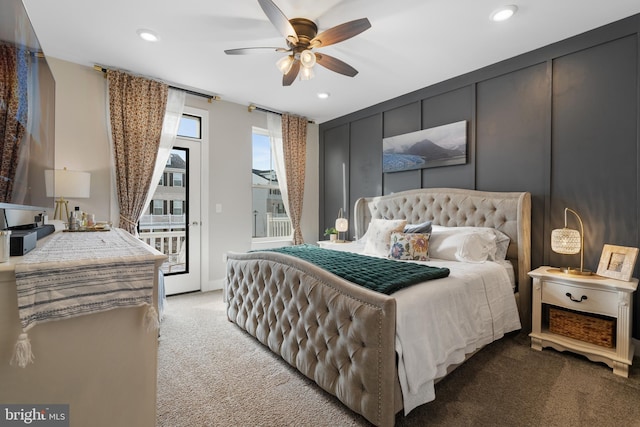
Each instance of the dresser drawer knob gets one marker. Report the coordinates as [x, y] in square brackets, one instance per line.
[582, 298]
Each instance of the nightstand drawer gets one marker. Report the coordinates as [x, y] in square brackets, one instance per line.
[582, 299]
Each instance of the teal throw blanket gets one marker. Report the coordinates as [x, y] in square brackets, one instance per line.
[378, 274]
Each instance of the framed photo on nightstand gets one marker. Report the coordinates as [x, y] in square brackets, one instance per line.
[617, 262]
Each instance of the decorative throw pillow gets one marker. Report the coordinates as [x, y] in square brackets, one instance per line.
[379, 233]
[423, 227]
[411, 246]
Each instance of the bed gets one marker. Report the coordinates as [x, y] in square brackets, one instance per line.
[353, 341]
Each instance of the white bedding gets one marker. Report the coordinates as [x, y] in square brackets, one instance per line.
[440, 321]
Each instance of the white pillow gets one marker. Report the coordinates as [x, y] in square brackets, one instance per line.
[476, 247]
[468, 244]
[379, 235]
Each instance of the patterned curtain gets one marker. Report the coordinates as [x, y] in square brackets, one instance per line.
[136, 109]
[13, 113]
[294, 141]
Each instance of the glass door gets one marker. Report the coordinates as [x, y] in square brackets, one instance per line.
[172, 222]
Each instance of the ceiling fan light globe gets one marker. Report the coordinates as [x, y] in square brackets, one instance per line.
[307, 58]
[306, 73]
[284, 64]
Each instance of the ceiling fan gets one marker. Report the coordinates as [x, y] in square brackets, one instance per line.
[302, 37]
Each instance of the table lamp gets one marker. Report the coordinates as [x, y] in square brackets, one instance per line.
[568, 241]
[64, 183]
[342, 225]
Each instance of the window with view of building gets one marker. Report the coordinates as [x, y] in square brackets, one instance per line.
[269, 216]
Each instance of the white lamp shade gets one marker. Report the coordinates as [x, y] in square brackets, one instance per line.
[342, 225]
[307, 58]
[66, 183]
[284, 64]
[306, 73]
[565, 241]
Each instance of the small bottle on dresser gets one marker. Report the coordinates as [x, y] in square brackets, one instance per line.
[74, 219]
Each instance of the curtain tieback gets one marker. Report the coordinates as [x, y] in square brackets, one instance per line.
[128, 221]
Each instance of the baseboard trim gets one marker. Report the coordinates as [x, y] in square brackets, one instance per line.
[213, 285]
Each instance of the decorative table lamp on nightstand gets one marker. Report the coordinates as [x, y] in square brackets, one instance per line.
[568, 241]
[342, 225]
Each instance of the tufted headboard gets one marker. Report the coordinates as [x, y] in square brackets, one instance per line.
[508, 212]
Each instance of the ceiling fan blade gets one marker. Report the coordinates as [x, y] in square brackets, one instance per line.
[290, 77]
[248, 50]
[279, 20]
[341, 32]
[334, 64]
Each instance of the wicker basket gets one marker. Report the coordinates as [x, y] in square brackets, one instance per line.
[589, 328]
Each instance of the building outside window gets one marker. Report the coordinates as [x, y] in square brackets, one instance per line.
[157, 207]
[177, 206]
[177, 179]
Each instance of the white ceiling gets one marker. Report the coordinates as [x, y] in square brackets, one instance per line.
[410, 45]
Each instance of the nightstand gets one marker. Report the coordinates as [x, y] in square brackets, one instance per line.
[593, 298]
[332, 244]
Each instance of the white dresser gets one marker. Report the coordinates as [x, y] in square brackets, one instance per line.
[103, 365]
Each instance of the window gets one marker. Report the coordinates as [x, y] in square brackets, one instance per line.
[158, 207]
[269, 216]
[190, 126]
[177, 179]
[177, 207]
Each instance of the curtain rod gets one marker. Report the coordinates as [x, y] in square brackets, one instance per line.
[253, 107]
[189, 91]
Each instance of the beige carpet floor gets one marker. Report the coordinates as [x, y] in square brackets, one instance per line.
[211, 373]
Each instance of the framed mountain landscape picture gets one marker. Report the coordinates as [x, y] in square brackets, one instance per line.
[444, 145]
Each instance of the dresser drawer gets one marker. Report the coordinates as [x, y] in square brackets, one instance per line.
[596, 301]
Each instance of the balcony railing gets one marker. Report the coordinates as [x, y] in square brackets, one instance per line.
[278, 226]
[170, 243]
[153, 222]
[167, 234]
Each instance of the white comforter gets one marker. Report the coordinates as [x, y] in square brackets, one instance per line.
[440, 321]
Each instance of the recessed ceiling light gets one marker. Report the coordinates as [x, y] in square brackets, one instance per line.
[503, 13]
[323, 95]
[148, 35]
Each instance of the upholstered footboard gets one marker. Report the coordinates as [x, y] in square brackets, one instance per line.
[336, 333]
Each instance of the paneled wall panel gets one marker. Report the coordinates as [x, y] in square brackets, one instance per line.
[513, 141]
[366, 160]
[401, 120]
[595, 151]
[336, 165]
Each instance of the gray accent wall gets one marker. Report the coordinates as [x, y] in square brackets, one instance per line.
[562, 122]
